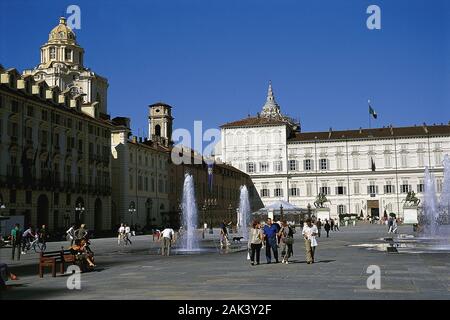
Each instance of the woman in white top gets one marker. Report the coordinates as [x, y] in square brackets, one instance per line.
[121, 233]
[309, 234]
[255, 242]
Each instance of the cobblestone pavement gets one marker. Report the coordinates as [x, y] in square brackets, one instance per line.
[340, 272]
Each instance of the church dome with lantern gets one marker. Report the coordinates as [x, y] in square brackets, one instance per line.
[62, 33]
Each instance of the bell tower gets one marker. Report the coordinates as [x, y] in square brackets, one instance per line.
[160, 123]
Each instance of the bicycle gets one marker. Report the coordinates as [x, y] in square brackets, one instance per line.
[36, 245]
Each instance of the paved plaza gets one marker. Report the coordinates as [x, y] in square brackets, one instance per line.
[137, 272]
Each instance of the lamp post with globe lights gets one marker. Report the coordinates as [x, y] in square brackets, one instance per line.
[79, 213]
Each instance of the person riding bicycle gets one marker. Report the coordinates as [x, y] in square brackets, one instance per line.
[70, 234]
[42, 236]
[27, 238]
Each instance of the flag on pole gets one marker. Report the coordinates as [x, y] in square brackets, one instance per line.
[372, 112]
[210, 175]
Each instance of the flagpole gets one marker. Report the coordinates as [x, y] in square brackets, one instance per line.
[370, 124]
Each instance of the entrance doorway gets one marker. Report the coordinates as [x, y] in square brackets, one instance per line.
[373, 208]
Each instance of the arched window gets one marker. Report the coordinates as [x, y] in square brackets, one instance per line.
[52, 53]
[158, 130]
[68, 56]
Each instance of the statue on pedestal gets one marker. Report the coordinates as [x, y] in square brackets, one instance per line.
[321, 200]
[411, 200]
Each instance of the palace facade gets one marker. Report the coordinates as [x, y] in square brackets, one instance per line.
[55, 139]
[54, 155]
[363, 171]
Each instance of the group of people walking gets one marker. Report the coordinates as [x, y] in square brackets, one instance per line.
[124, 235]
[327, 226]
[280, 235]
[22, 241]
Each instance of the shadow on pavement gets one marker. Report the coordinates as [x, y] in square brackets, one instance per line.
[30, 293]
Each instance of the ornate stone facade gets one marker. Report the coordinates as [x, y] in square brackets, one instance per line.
[54, 155]
[62, 66]
[363, 171]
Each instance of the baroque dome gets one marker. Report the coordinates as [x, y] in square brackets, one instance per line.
[62, 33]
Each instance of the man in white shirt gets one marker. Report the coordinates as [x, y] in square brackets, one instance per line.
[121, 234]
[71, 234]
[309, 234]
[166, 238]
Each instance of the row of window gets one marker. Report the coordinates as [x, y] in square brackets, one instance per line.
[143, 184]
[68, 54]
[148, 161]
[43, 138]
[308, 165]
[57, 119]
[47, 170]
[324, 164]
[371, 149]
[372, 189]
[28, 197]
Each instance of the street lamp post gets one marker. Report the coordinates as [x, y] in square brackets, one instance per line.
[230, 217]
[210, 204]
[180, 214]
[131, 210]
[281, 212]
[203, 220]
[149, 213]
[79, 210]
[2, 206]
[308, 207]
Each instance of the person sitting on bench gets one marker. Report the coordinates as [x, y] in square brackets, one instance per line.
[80, 251]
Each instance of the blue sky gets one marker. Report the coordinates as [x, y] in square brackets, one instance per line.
[212, 60]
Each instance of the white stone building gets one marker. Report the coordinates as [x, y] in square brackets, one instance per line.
[363, 171]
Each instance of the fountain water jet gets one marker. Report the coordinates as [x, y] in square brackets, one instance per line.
[244, 212]
[444, 201]
[430, 205]
[434, 217]
[189, 238]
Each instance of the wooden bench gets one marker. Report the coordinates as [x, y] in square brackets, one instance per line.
[52, 258]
